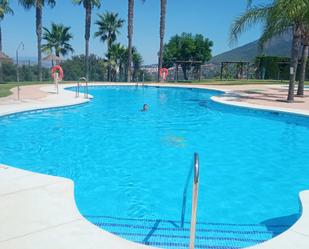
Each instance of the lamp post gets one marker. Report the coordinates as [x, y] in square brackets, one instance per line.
[20, 46]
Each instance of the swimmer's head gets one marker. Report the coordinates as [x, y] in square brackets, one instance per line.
[145, 108]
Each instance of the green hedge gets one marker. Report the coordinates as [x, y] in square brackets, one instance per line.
[26, 72]
[275, 68]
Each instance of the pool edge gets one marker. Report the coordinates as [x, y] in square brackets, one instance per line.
[65, 98]
[56, 221]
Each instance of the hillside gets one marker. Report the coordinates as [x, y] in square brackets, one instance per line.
[278, 46]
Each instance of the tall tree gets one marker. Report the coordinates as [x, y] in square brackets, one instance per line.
[57, 40]
[4, 9]
[162, 33]
[305, 52]
[38, 5]
[108, 28]
[118, 53]
[130, 36]
[187, 47]
[277, 17]
[288, 15]
[88, 5]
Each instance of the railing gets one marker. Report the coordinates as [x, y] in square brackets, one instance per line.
[79, 84]
[194, 200]
[195, 168]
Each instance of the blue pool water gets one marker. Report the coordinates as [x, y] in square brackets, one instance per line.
[130, 167]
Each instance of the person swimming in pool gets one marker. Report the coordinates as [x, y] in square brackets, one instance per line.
[145, 108]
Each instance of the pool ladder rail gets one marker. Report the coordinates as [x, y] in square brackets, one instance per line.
[79, 85]
[195, 188]
[194, 200]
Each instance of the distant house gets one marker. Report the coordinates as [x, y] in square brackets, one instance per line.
[5, 58]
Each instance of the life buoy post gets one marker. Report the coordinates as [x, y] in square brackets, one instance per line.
[57, 75]
[163, 73]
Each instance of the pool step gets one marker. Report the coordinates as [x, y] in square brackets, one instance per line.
[170, 234]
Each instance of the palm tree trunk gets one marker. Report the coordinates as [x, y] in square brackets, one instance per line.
[1, 70]
[294, 60]
[162, 33]
[300, 90]
[38, 11]
[184, 70]
[109, 69]
[1, 73]
[134, 74]
[0, 38]
[58, 55]
[130, 35]
[120, 72]
[87, 37]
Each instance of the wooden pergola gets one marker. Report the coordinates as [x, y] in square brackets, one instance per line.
[199, 63]
[282, 64]
[242, 64]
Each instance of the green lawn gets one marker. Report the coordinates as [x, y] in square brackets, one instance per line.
[5, 89]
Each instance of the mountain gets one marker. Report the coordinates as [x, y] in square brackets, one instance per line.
[277, 46]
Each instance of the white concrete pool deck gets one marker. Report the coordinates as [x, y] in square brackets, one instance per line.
[39, 211]
[38, 97]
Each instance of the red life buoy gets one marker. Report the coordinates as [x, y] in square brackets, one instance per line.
[163, 73]
[60, 72]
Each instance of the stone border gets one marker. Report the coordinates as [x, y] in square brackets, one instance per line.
[57, 221]
[65, 98]
[224, 101]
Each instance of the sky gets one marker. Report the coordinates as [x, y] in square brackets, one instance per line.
[212, 18]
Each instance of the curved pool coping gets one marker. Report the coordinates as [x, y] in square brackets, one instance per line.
[225, 101]
[55, 221]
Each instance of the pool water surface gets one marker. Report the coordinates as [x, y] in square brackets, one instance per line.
[130, 167]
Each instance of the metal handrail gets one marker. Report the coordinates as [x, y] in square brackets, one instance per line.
[184, 197]
[196, 171]
[86, 95]
[194, 200]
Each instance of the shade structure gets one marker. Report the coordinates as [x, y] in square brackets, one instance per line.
[4, 57]
[52, 57]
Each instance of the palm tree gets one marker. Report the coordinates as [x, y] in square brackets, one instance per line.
[111, 63]
[162, 33]
[57, 40]
[38, 5]
[130, 36]
[305, 52]
[118, 52]
[108, 29]
[277, 18]
[4, 9]
[285, 15]
[88, 5]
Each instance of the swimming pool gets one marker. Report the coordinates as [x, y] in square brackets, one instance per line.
[130, 167]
